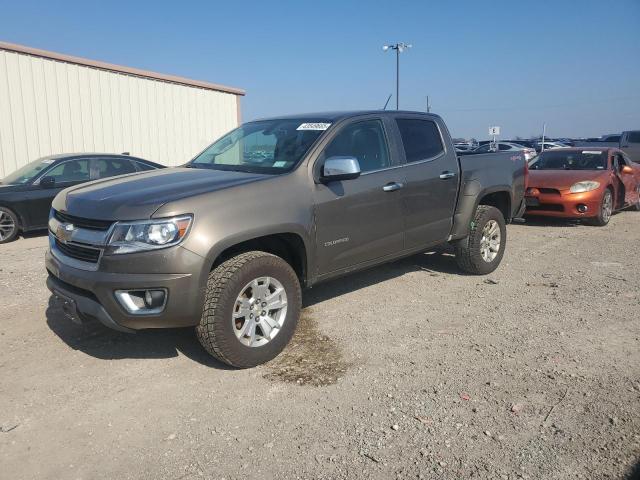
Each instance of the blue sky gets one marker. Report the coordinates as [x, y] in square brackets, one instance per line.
[517, 64]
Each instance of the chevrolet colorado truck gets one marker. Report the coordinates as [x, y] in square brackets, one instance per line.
[226, 243]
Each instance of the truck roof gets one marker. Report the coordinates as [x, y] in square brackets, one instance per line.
[339, 115]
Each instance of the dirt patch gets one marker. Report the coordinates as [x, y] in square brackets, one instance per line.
[310, 359]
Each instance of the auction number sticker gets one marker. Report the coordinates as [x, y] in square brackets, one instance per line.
[314, 126]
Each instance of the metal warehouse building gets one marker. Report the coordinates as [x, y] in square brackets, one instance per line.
[53, 103]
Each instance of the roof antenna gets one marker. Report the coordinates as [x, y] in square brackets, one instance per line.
[386, 103]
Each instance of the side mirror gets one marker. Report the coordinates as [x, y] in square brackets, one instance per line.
[626, 169]
[47, 182]
[340, 168]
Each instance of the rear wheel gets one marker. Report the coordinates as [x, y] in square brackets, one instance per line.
[251, 309]
[481, 252]
[605, 210]
[8, 225]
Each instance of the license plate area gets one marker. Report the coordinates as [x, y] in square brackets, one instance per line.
[68, 306]
[532, 201]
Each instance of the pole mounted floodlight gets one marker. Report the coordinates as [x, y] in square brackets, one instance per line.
[399, 48]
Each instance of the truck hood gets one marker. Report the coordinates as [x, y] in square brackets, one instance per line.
[563, 179]
[139, 195]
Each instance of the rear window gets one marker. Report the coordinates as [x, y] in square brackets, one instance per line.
[571, 160]
[420, 138]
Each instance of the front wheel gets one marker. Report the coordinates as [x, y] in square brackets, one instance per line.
[605, 211]
[251, 309]
[481, 252]
[8, 225]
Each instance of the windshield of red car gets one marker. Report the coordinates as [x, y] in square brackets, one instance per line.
[571, 160]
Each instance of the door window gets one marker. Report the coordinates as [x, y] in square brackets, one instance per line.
[143, 167]
[633, 137]
[364, 141]
[110, 167]
[420, 138]
[71, 171]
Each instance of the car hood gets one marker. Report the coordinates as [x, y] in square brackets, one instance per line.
[563, 179]
[138, 196]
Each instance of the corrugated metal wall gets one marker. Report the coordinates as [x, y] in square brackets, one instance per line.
[49, 106]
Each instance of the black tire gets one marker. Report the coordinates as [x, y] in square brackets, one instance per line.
[7, 217]
[468, 251]
[225, 283]
[603, 218]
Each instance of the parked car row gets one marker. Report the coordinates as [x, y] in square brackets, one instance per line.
[226, 243]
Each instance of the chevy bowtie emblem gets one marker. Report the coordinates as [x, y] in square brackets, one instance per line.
[64, 231]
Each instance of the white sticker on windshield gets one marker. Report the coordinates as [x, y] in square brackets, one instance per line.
[591, 152]
[48, 161]
[314, 126]
[279, 164]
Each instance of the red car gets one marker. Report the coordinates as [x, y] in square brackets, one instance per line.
[589, 183]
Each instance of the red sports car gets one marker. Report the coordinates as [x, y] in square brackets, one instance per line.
[589, 183]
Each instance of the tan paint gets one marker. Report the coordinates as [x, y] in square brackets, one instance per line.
[54, 105]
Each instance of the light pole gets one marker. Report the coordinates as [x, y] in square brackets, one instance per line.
[399, 48]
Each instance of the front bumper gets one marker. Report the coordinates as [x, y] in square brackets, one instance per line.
[91, 294]
[564, 204]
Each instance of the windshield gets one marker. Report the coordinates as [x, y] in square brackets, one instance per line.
[269, 146]
[27, 173]
[571, 160]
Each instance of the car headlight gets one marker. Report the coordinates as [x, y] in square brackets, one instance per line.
[587, 186]
[129, 237]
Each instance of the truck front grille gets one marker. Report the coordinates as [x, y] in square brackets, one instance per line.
[79, 252]
[87, 223]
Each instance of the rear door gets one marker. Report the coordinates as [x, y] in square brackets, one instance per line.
[630, 144]
[432, 173]
[359, 220]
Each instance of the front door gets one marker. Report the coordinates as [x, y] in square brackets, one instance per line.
[359, 220]
[628, 181]
[65, 174]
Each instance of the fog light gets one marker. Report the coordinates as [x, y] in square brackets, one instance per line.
[142, 302]
[582, 208]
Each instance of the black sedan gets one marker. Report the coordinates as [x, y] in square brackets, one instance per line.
[26, 194]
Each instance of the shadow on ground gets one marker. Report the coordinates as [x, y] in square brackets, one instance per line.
[551, 222]
[432, 263]
[101, 342]
[98, 341]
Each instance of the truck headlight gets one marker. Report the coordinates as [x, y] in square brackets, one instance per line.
[586, 186]
[129, 237]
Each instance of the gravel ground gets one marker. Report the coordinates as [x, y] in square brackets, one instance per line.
[410, 370]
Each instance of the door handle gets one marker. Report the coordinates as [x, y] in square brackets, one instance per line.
[392, 186]
[445, 175]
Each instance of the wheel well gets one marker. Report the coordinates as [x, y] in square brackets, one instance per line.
[500, 200]
[288, 246]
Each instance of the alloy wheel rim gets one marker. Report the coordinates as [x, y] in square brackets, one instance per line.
[259, 311]
[490, 241]
[7, 226]
[607, 206]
